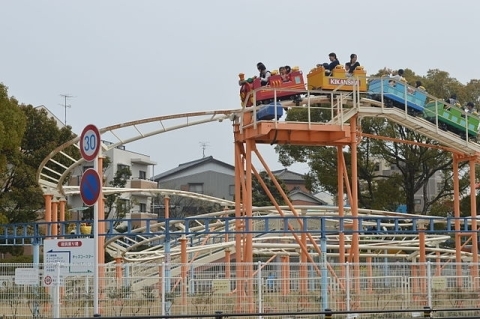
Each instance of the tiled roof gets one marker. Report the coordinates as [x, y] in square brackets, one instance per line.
[286, 175]
[191, 164]
[312, 197]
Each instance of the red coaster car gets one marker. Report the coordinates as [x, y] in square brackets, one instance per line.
[266, 95]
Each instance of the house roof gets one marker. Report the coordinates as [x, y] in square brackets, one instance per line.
[50, 113]
[314, 199]
[192, 164]
[287, 175]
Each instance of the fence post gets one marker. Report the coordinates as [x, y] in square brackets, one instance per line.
[260, 288]
[347, 285]
[163, 288]
[56, 292]
[429, 284]
[323, 265]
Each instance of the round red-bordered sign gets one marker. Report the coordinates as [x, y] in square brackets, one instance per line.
[90, 187]
[47, 280]
[90, 142]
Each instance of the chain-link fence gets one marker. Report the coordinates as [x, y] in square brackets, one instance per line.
[195, 289]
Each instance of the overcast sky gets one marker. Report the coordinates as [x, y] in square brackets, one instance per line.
[128, 60]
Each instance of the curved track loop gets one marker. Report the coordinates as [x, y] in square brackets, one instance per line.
[275, 237]
[51, 174]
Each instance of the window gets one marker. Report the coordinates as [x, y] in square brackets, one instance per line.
[231, 190]
[122, 166]
[377, 167]
[142, 175]
[195, 188]
[87, 167]
[143, 207]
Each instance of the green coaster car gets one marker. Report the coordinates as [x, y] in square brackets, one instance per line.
[452, 118]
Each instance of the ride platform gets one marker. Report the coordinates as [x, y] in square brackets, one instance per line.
[294, 133]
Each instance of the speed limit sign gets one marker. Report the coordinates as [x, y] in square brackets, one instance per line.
[90, 142]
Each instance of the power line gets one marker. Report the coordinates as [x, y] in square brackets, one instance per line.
[65, 105]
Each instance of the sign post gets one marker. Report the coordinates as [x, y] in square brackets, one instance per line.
[90, 189]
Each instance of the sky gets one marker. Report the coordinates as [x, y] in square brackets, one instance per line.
[128, 60]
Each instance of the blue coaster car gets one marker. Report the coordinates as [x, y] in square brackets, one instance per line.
[398, 92]
[267, 112]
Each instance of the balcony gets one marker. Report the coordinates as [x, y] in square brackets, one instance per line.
[142, 184]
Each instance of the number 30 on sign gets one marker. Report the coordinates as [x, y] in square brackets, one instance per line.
[90, 142]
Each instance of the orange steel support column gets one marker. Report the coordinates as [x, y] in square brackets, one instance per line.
[456, 212]
[422, 258]
[118, 269]
[239, 181]
[247, 204]
[63, 227]
[473, 211]
[48, 211]
[184, 261]
[54, 217]
[354, 205]
[340, 194]
[303, 262]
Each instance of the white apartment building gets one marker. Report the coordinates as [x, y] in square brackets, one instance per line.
[141, 167]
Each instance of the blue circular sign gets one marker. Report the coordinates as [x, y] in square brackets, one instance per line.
[90, 187]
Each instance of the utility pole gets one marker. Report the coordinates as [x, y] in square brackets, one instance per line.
[65, 105]
[204, 146]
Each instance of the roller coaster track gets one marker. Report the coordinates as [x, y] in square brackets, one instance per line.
[56, 167]
[453, 142]
[208, 246]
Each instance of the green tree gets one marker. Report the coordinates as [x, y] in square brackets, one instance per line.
[373, 192]
[259, 195]
[28, 136]
[114, 203]
[416, 164]
[12, 128]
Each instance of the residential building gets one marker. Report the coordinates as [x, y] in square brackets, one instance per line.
[141, 168]
[215, 178]
[207, 176]
[297, 191]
